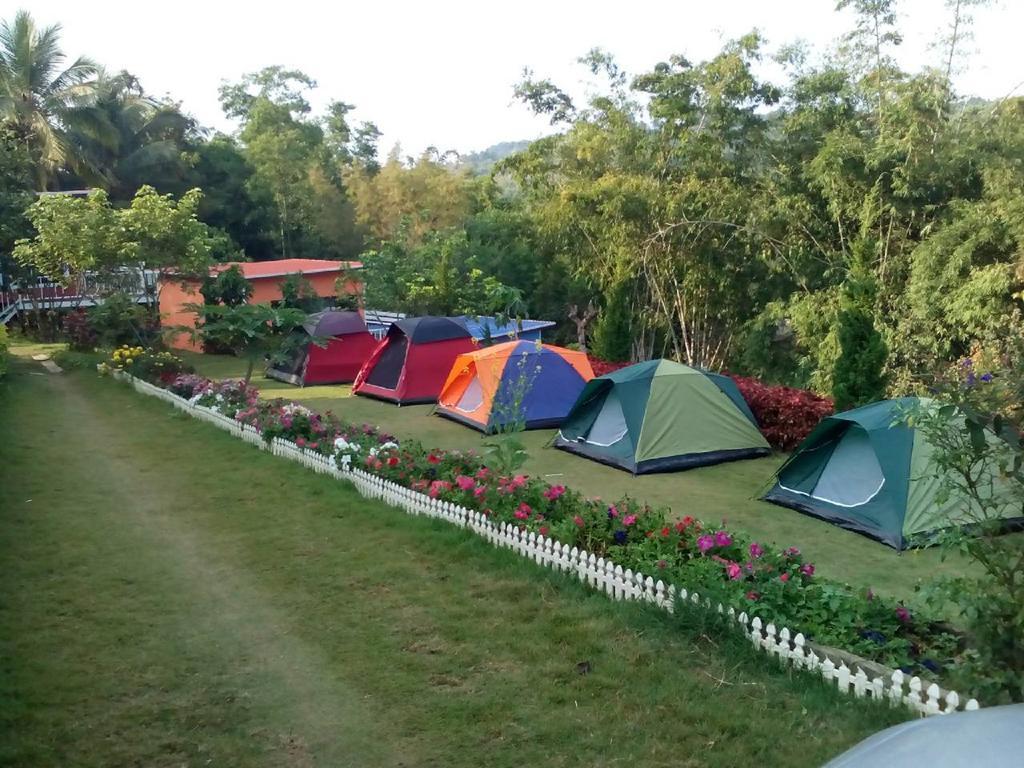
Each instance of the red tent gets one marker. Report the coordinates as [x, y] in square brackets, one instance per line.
[412, 362]
[349, 344]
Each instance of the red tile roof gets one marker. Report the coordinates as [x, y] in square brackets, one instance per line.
[254, 270]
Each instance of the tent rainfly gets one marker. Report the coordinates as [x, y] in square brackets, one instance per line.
[411, 363]
[867, 471]
[661, 416]
[519, 380]
[348, 345]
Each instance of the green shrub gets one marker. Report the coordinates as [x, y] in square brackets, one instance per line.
[121, 320]
[613, 339]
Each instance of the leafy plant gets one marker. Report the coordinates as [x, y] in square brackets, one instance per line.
[978, 457]
[79, 331]
[255, 332]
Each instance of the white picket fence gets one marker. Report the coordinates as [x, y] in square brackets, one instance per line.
[788, 647]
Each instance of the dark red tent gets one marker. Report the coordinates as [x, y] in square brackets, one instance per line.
[412, 362]
[349, 344]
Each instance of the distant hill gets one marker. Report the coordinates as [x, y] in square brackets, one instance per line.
[481, 162]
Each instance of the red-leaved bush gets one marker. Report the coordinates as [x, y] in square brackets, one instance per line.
[786, 415]
[603, 367]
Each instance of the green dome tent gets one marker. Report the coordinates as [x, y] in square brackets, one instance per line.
[661, 416]
[867, 471]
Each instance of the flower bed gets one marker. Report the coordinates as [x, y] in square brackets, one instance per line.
[722, 563]
[719, 562]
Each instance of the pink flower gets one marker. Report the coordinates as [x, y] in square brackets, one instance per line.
[554, 492]
[520, 515]
[578, 521]
[465, 483]
[480, 491]
[518, 481]
[300, 441]
[792, 552]
[902, 614]
[613, 511]
[734, 571]
[807, 569]
[752, 595]
[543, 530]
[482, 473]
[784, 577]
[722, 539]
[705, 542]
[437, 486]
[756, 550]
[629, 520]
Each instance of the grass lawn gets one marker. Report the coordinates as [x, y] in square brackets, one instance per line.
[172, 597]
[724, 492]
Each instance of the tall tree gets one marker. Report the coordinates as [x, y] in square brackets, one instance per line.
[41, 99]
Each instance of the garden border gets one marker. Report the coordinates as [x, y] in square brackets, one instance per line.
[790, 648]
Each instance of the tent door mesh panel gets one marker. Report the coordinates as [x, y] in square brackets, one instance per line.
[388, 369]
[610, 425]
[853, 475]
[472, 397]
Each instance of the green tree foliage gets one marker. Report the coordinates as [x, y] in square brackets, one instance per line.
[978, 455]
[438, 277]
[41, 99]
[255, 332]
[80, 235]
[409, 198]
[613, 336]
[228, 287]
[293, 164]
[298, 293]
[858, 376]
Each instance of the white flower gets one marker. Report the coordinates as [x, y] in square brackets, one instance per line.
[341, 444]
[388, 446]
[220, 398]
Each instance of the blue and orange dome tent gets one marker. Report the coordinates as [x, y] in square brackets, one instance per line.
[520, 380]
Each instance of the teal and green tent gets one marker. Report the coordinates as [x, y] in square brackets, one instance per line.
[868, 471]
[661, 416]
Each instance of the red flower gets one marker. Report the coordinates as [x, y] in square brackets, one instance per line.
[665, 531]
[784, 577]
[433, 459]
[543, 530]
[393, 461]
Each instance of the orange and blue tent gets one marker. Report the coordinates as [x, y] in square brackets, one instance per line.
[524, 381]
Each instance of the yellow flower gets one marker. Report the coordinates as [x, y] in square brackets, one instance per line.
[129, 361]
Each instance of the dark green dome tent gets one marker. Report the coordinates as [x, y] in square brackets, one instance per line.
[867, 471]
[661, 416]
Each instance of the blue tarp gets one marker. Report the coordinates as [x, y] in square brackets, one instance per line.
[529, 331]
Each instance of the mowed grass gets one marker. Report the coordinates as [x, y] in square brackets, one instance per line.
[172, 597]
[726, 492]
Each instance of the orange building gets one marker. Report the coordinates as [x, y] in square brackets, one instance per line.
[266, 278]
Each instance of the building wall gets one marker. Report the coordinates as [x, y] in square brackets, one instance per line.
[174, 295]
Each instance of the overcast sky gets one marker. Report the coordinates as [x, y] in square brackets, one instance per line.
[441, 73]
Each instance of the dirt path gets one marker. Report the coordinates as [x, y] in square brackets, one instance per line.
[319, 715]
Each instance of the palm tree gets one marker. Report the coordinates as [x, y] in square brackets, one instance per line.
[40, 99]
[133, 139]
